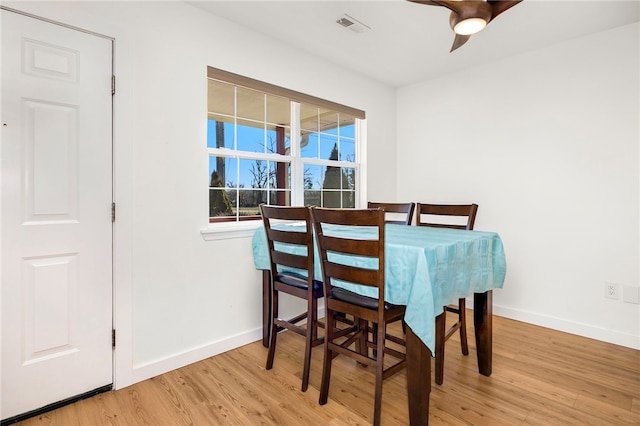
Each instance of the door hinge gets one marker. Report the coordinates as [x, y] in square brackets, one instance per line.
[113, 339]
[113, 212]
[113, 85]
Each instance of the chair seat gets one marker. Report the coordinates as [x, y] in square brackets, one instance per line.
[298, 280]
[357, 299]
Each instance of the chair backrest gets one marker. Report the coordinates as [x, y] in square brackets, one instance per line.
[290, 238]
[446, 214]
[341, 232]
[399, 213]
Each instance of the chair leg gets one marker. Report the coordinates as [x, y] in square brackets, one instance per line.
[266, 307]
[274, 330]
[441, 321]
[462, 319]
[374, 333]
[329, 329]
[312, 319]
[377, 402]
[361, 343]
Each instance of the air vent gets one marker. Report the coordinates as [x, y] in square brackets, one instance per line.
[352, 24]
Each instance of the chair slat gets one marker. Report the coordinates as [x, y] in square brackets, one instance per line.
[397, 210]
[353, 274]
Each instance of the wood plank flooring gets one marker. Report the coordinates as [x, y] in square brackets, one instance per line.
[540, 377]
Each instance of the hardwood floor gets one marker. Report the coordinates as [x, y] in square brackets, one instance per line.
[540, 377]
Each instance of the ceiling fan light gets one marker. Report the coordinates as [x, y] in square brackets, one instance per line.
[470, 26]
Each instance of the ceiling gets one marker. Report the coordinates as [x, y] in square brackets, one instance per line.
[410, 42]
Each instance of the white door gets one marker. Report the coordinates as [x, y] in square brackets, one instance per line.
[56, 224]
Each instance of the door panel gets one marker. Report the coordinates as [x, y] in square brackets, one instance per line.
[56, 160]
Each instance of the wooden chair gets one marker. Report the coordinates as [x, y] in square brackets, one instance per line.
[364, 309]
[299, 284]
[398, 213]
[446, 214]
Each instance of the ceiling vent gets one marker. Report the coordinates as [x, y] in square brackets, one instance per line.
[353, 24]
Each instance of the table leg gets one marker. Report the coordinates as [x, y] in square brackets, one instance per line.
[482, 321]
[418, 379]
[266, 307]
[441, 331]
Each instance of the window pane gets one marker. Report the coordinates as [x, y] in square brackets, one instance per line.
[347, 127]
[328, 121]
[250, 104]
[249, 200]
[219, 132]
[349, 200]
[223, 172]
[278, 139]
[332, 199]
[312, 198]
[309, 117]
[280, 198]
[309, 145]
[313, 176]
[220, 97]
[347, 150]
[334, 178]
[349, 183]
[329, 147]
[251, 136]
[220, 203]
[282, 174]
[278, 111]
[254, 174]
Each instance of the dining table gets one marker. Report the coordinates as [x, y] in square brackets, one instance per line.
[426, 268]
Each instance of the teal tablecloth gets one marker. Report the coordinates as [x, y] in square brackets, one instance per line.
[425, 269]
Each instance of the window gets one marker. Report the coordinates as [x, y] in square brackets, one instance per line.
[271, 145]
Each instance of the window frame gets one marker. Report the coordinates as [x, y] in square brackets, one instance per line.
[244, 228]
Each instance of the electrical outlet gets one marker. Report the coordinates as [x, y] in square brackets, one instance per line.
[611, 290]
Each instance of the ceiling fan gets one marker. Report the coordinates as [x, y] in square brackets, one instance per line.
[469, 16]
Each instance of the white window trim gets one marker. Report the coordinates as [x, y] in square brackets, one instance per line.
[242, 229]
[229, 230]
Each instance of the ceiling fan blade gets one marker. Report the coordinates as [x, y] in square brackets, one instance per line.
[427, 2]
[453, 5]
[459, 41]
[500, 6]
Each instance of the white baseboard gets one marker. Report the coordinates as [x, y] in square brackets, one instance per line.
[161, 366]
[155, 368]
[584, 330]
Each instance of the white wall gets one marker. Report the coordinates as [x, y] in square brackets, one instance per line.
[547, 143]
[180, 298]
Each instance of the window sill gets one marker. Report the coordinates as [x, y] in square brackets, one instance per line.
[230, 230]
